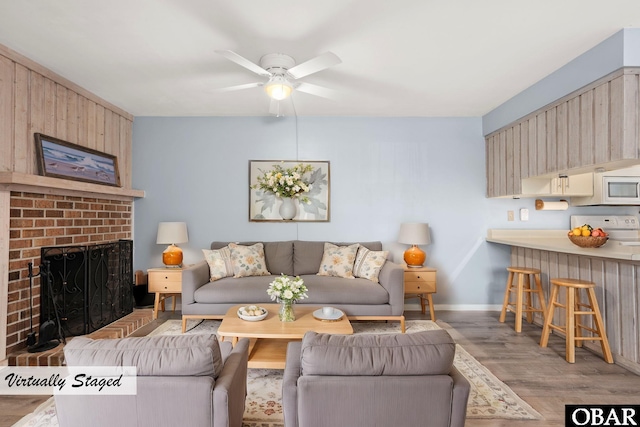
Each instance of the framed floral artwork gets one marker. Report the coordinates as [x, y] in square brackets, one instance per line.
[288, 190]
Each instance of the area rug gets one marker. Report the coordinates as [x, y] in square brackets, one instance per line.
[489, 397]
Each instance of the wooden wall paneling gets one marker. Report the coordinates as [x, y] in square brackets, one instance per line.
[586, 129]
[21, 120]
[636, 314]
[100, 114]
[126, 152]
[616, 114]
[72, 117]
[573, 129]
[541, 143]
[517, 178]
[610, 305]
[91, 124]
[601, 123]
[61, 112]
[502, 190]
[108, 131]
[524, 149]
[49, 107]
[552, 141]
[83, 121]
[630, 136]
[7, 71]
[533, 153]
[509, 162]
[488, 170]
[562, 137]
[628, 296]
[37, 118]
[496, 166]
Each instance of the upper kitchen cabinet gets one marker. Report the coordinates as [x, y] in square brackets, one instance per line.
[594, 127]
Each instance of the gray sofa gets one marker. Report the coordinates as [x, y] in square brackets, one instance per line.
[190, 380]
[401, 380]
[360, 299]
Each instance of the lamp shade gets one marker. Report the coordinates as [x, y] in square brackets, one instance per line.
[414, 233]
[172, 232]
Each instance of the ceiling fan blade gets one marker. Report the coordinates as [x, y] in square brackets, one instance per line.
[243, 62]
[239, 87]
[319, 63]
[317, 90]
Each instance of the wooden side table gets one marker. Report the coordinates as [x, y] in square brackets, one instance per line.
[166, 283]
[421, 282]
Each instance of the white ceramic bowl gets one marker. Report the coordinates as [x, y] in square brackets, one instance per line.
[252, 318]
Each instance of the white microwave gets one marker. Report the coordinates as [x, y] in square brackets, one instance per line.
[621, 190]
[610, 188]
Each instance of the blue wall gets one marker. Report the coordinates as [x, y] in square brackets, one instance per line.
[621, 49]
[383, 171]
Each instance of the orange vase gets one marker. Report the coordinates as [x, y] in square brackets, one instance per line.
[414, 256]
[172, 256]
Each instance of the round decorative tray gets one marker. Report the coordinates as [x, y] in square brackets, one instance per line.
[588, 241]
[250, 318]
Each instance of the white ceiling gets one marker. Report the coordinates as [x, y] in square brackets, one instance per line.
[400, 57]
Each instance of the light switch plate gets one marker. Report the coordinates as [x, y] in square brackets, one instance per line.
[510, 216]
[524, 214]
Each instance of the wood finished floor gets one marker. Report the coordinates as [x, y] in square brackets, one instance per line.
[539, 376]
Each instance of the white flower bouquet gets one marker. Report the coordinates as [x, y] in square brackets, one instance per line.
[288, 289]
[290, 182]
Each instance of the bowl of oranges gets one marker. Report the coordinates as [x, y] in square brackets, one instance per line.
[588, 237]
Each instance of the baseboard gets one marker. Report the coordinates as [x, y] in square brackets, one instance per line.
[456, 307]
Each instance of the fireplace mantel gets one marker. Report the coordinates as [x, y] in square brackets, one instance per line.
[15, 181]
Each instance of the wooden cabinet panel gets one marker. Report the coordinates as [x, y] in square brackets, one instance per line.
[551, 142]
[562, 138]
[586, 129]
[597, 126]
[165, 280]
[541, 143]
[601, 123]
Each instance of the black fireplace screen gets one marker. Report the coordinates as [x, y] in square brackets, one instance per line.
[88, 286]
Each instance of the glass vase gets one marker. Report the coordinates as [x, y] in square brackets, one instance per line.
[286, 313]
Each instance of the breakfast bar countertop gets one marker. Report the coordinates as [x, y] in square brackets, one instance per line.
[557, 241]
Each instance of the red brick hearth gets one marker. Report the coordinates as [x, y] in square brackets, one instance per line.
[41, 220]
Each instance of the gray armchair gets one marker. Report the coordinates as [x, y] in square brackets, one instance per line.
[190, 380]
[374, 380]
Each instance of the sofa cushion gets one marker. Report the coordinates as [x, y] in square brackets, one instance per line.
[307, 255]
[278, 255]
[248, 260]
[336, 290]
[369, 263]
[230, 290]
[338, 260]
[219, 261]
[420, 353]
[169, 355]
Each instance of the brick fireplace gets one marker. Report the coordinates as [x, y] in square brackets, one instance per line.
[40, 220]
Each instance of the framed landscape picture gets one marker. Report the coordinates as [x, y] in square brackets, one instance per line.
[62, 159]
[288, 190]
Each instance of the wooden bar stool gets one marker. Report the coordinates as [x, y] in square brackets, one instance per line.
[523, 286]
[573, 327]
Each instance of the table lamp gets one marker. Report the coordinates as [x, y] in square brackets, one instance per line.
[414, 234]
[171, 233]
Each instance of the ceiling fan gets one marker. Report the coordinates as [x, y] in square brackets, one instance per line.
[282, 73]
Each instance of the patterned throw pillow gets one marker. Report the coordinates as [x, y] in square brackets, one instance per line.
[338, 260]
[369, 263]
[219, 263]
[248, 260]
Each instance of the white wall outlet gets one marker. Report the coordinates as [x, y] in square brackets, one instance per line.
[524, 214]
[510, 216]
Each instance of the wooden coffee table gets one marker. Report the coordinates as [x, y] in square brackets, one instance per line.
[269, 337]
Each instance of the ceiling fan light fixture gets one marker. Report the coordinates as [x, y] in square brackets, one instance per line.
[278, 88]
